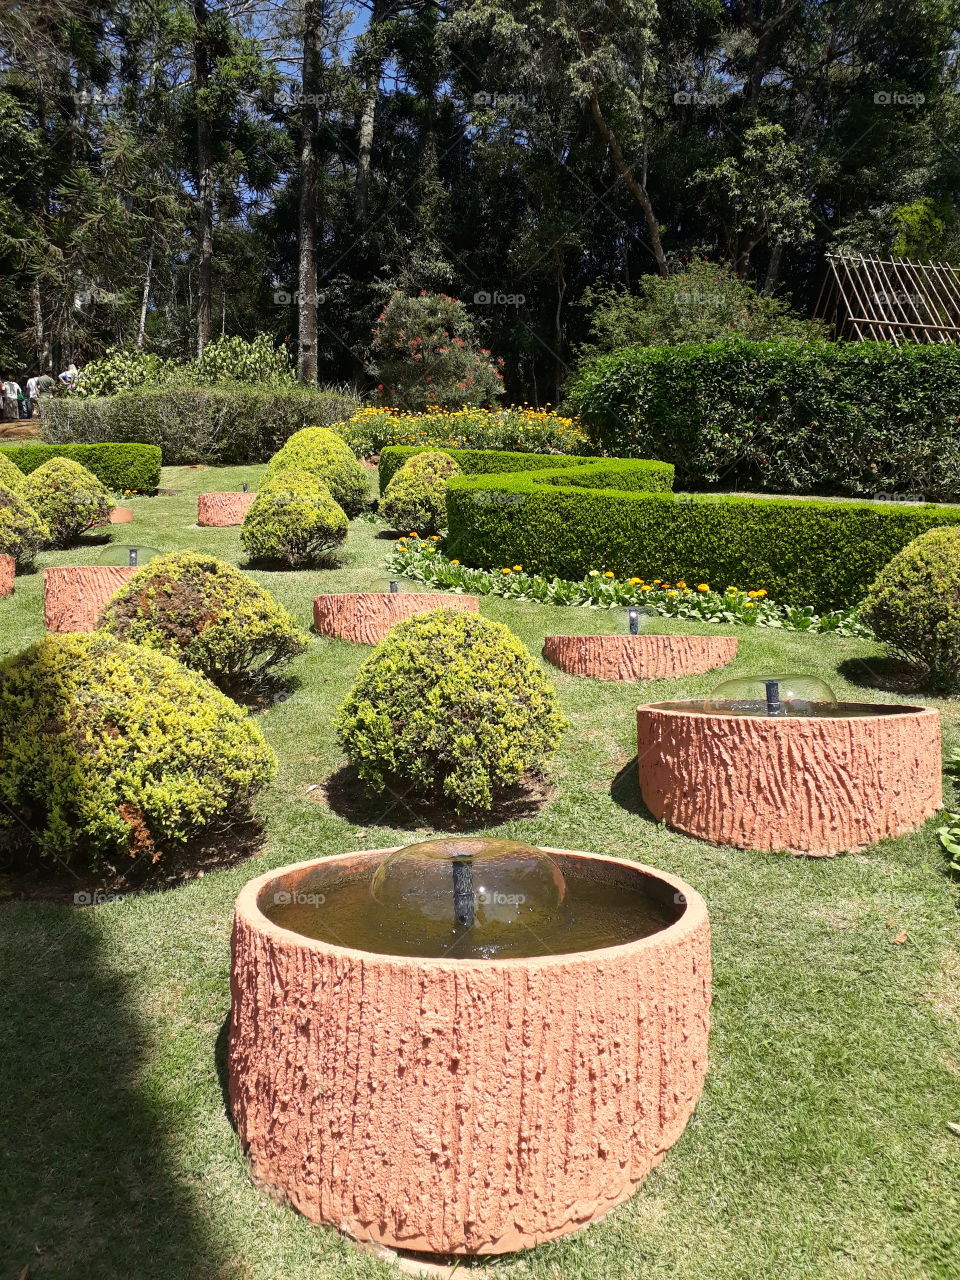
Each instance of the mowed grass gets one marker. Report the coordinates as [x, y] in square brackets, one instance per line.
[821, 1147]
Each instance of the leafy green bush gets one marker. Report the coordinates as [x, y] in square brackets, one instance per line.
[224, 425]
[210, 616]
[452, 707]
[701, 302]
[476, 461]
[293, 521]
[914, 606]
[416, 496]
[68, 498]
[371, 429]
[425, 354]
[110, 749]
[133, 468]
[821, 554]
[22, 532]
[326, 456]
[259, 361]
[10, 474]
[859, 418]
[123, 369]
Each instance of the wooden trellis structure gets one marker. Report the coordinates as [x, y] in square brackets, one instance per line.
[890, 300]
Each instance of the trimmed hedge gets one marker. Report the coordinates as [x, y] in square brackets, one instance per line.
[497, 461]
[858, 418]
[416, 497]
[823, 554]
[213, 425]
[118, 466]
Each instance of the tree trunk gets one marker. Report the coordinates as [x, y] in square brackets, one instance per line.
[145, 298]
[311, 77]
[204, 177]
[636, 188]
[368, 115]
[773, 269]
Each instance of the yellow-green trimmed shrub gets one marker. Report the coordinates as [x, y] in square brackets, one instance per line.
[293, 521]
[109, 749]
[451, 707]
[68, 498]
[914, 606]
[22, 532]
[210, 616]
[415, 499]
[10, 474]
[322, 452]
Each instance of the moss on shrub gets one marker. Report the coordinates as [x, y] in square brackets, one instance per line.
[452, 707]
[68, 498]
[914, 606]
[293, 521]
[415, 499]
[22, 532]
[322, 452]
[111, 749]
[210, 616]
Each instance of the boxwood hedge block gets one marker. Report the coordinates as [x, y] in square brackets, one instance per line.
[118, 466]
[820, 553]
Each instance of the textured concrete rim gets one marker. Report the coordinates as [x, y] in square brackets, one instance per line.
[625, 658]
[694, 915]
[673, 708]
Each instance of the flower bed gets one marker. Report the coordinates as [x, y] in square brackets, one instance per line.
[423, 561]
[371, 429]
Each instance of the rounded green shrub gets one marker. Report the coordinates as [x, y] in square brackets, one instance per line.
[325, 455]
[415, 499]
[11, 475]
[22, 532]
[293, 521]
[210, 616]
[111, 749]
[68, 498]
[914, 606]
[452, 708]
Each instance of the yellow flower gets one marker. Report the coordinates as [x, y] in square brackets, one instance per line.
[657, 582]
[703, 586]
[635, 582]
[454, 561]
[413, 535]
[646, 588]
[761, 594]
[609, 574]
[748, 604]
[505, 571]
[518, 568]
[681, 584]
[673, 593]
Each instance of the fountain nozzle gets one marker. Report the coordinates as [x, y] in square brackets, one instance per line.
[774, 706]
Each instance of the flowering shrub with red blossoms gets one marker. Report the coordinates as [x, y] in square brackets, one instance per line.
[425, 355]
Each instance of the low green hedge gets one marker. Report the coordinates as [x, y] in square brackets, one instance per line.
[823, 554]
[118, 466]
[496, 461]
[861, 418]
[218, 426]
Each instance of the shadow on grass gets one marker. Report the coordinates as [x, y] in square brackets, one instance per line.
[89, 1194]
[625, 791]
[894, 675]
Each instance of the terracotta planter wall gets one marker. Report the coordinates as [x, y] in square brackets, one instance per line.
[74, 595]
[121, 515]
[220, 509]
[642, 657]
[812, 786]
[365, 617]
[8, 574]
[463, 1106]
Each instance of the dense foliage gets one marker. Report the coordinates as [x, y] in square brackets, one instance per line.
[914, 606]
[372, 429]
[10, 474]
[227, 360]
[22, 532]
[121, 467]
[324, 454]
[212, 425]
[415, 499]
[111, 749]
[210, 616]
[823, 554]
[294, 521]
[68, 498]
[452, 708]
[475, 461]
[858, 418]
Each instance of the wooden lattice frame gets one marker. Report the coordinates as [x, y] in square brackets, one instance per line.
[890, 299]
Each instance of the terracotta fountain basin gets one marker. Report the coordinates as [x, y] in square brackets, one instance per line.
[8, 574]
[74, 595]
[365, 617]
[471, 1106]
[816, 786]
[638, 657]
[220, 509]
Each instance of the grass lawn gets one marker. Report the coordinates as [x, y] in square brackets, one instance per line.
[820, 1149]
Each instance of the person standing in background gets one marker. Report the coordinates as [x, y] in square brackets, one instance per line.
[46, 385]
[32, 394]
[12, 395]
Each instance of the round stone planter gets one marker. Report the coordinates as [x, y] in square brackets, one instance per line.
[220, 509]
[463, 1106]
[121, 515]
[642, 657]
[365, 617]
[73, 595]
[8, 574]
[815, 786]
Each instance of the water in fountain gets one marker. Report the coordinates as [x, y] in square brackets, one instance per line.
[778, 697]
[125, 554]
[465, 898]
